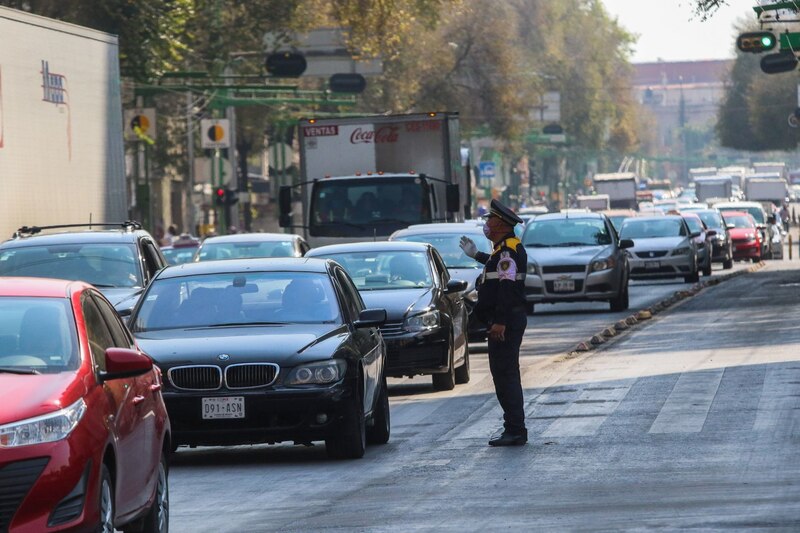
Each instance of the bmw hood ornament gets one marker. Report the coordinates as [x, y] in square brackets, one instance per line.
[223, 357]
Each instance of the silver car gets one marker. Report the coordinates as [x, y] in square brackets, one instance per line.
[664, 248]
[575, 257]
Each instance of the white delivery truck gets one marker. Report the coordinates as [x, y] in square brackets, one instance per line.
[737, 174]
[366, 177]
[766, 187]
[778, 167]
[699, 172]
[594, 202]
[620, 187]
[61, 140]
[718, 187]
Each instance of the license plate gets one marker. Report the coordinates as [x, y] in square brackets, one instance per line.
[223, 407]
[652, 264]
[564, 285]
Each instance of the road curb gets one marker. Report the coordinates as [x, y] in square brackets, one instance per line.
[648, 313]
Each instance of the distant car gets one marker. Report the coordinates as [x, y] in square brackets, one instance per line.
[696, 206]
[616, 216]
[721, 246]
[182, 250]
[574, 257]
[427, 325]
[120, 262]
[84, 434]
[704, 240]
[251, 245]
[267, 350]
[745, 236]
[759, 215]
[445, 238]
[664, 247]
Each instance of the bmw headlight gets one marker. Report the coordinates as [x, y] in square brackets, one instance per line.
[422, 322]
[533, 269]
[46, 428]
[603, 264]
[321, 373]
[720, 237]
[682, 251]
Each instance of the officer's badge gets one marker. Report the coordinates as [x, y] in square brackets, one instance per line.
[506, 267]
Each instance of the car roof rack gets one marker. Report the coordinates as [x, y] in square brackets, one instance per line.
[129, 225]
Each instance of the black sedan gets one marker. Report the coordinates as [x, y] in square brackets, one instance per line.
[445, 237]
[267, 350]
[426, 329]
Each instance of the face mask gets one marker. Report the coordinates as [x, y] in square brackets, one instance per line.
[487, 231]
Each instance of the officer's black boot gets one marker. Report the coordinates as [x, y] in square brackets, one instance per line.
[508, 438]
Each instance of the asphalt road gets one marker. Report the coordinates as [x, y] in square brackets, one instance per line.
[689, 420]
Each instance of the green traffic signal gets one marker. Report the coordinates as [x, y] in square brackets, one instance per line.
[756, 42]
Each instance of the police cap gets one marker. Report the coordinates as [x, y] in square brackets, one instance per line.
[496, 209]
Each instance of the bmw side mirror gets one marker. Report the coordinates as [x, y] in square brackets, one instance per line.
[370, 318]
[455, 285]
[694, 234]
[625, 243]
[711, 233]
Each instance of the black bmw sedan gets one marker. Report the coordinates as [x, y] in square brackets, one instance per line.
[267, 350]
[426, 328]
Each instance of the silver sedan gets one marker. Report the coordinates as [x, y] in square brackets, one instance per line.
[664, 248]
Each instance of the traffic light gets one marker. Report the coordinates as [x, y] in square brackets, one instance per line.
[756, 42]
[286, 64]
[780, 62]
[347, 83]
[231, 196]
[219, 196]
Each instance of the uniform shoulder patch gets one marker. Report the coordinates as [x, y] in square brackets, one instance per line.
[506, 267]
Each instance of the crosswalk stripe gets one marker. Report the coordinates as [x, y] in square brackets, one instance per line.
[686, 407]
[775, 398]
[586, 414]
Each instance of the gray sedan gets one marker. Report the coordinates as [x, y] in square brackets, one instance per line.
[574, 257]
[665, 248]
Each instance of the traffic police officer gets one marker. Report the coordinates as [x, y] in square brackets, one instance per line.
[501, 304]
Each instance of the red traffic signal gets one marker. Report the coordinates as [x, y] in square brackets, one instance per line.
[756, 42]
[286, 64]
[219, 196]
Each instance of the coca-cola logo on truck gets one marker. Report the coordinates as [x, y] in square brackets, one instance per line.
[384, 134]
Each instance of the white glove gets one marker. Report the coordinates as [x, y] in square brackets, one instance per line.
[468, 246]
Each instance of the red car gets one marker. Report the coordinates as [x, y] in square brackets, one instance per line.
[745, 237]
[84, 433]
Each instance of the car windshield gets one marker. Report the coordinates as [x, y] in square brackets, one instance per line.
[694, 224]
[740, 221]
[366, 207]
[238, 299]
[101, 264]
[178, 256]
[386, 270]
[447, 244]
[566, 232]
[756, 212]
[37, 334]
[635, 228]
[711, 219]
[245, 250]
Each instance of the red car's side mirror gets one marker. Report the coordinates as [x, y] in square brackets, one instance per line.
[125, 363]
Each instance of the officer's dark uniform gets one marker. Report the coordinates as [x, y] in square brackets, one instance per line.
[501, 300]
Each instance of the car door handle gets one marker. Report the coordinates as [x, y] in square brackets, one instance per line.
[137, 400]
[156, 387]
